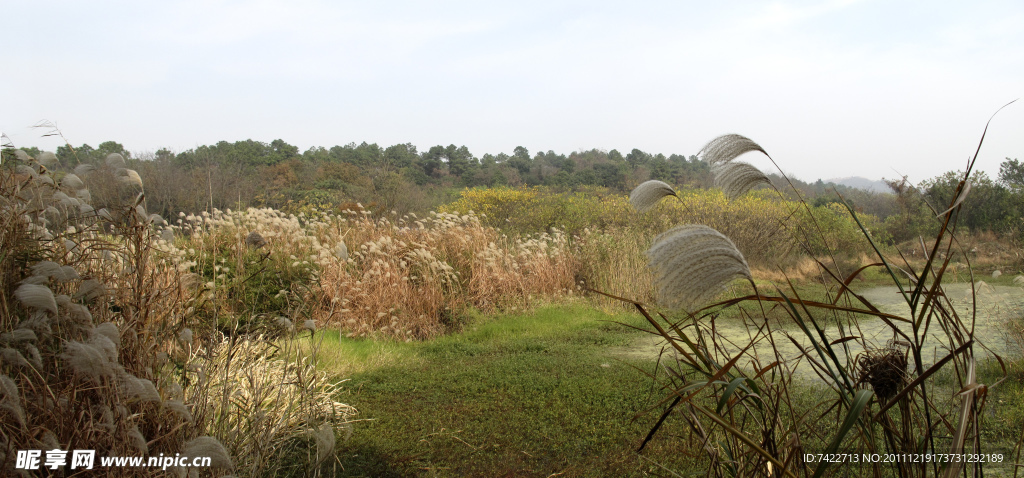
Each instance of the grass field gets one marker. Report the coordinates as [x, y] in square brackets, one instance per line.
[546, 393]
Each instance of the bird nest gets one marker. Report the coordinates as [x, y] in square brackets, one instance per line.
[884, 369]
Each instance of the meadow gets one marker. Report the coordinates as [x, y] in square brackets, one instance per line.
[511, 332]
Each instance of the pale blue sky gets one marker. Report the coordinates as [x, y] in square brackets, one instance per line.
[830, 89]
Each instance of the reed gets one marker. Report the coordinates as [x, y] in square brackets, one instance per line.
[878, 399]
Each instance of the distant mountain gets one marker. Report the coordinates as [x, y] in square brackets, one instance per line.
[862, 183]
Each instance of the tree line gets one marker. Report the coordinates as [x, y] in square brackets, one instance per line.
[404, 179]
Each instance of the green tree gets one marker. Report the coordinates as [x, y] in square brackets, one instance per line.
[637, 158]
[989, 206]
[1011, 174]
[520, 160]
[460, 160]
[432, 160]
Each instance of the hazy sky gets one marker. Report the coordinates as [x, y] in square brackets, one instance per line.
[830, 89]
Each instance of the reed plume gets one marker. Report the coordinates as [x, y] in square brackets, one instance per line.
[646, 195]
[36, 297]
[325, 441]
[728, 147]
[735, 178]
[115, 161]
[694, 263]
[208, 446]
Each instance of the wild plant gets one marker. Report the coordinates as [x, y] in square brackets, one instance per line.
[907, 404]
[97, 343]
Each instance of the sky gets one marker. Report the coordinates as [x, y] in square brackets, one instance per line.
[830, 89]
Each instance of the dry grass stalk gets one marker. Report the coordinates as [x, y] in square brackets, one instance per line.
[78, 380]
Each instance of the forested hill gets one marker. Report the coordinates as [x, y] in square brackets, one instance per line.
[403, 179]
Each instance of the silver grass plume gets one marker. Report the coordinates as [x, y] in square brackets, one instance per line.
[47, 158]
[36, 297]
[110, 331]
[89, 361]
[54, 270]
[39, 322]
[73, 182]
[209, 447]
[172, 390]
[185, 336]
[179, 408]
[115, 161]
[13, 357]
[140, 389]
[325, 441]
[18, 335]
[48, 441]
[138, 440]
[33, 356]
[341, 251]
[735, 178]
[65, 200]
[959, 199]
[26, 170]
[11, 400]
[36, 280]
[102, 343]
[728, 147]
[83, 169]
[90, 289]
[284, 323]
[103, 416]
[128, 177]
[141, 215]
[694, 263]
[646, 195]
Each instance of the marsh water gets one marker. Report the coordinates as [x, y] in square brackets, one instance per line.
[993, 308]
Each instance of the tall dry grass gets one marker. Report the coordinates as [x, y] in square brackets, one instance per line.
[401, 277]
[105, 344]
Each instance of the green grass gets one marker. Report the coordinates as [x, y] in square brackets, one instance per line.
[514, 395]
[550, 392]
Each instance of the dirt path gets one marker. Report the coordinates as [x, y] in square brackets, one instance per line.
[995, 305]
